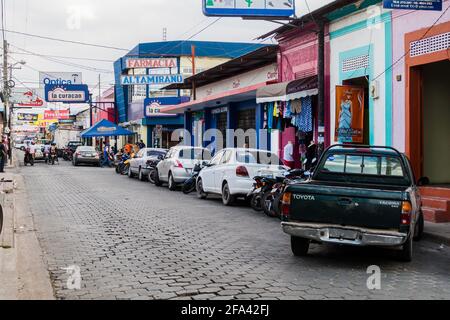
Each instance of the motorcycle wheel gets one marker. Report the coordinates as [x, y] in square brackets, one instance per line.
[152, 176]
[255, 202]
[276, 205]
[125, 170]
[267, 204]
[189, 186]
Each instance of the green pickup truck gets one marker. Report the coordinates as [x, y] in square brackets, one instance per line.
[357, 195]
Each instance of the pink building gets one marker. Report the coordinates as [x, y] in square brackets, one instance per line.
[104, 107]
[298, 61]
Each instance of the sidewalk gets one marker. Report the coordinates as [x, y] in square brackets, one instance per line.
[437, 232]
[23, 274]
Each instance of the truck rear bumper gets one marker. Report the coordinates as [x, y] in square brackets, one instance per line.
[344, 235]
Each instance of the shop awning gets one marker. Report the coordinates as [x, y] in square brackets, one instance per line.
[105, 128]
[286, 91]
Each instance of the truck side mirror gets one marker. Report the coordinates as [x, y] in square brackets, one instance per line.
[424, 181]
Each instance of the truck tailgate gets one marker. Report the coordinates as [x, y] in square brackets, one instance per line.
[359, 207]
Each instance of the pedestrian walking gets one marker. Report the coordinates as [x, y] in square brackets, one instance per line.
[105, 160]
[3, 156]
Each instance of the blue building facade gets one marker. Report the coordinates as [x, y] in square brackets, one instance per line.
[131, 110]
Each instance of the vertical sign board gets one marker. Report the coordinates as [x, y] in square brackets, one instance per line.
[349, 114]
[434, 5]
[249, 8]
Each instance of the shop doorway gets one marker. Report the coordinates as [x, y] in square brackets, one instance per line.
[364, 83]
[222, 125]
[435, 120]
[246, 120]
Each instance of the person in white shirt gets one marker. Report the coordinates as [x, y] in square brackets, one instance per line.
[32, 147]
[288, 155]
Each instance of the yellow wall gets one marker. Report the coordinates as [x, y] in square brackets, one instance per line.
[201, 63]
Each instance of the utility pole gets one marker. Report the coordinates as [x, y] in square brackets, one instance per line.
[194, 93]
[5, 84]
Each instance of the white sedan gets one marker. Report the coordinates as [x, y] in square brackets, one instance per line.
[139, 164]
[231, 172]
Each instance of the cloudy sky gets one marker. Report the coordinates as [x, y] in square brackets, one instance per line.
[117, 23]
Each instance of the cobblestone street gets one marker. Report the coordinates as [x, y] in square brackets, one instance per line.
[133, 240]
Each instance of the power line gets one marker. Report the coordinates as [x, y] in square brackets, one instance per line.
[71, 64]
[64, 57]
[181, 43]
[63, 40]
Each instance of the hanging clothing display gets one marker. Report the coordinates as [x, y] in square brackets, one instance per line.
[305, 118]
[296, 106]
[287, 110]
[270, 115]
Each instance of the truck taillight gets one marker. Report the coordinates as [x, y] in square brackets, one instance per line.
[406, 213]
[241, 171]
[286, 204]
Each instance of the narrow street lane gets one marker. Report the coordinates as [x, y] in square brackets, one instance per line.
[133, 240]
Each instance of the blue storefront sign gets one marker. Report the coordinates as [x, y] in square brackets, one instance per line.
[152, 106]
[67, 93]
[249, 8]
[153, 79]
[435, 5]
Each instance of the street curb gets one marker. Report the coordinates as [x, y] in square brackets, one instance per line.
[436, 238]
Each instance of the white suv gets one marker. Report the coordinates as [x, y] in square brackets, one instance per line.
[230, 173]
[179, 163]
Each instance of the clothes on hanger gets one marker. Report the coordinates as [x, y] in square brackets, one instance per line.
[305, 118]
[296, 106]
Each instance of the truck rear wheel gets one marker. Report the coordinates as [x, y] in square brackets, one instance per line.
[418, 232]
[299, 246]
[406, 252]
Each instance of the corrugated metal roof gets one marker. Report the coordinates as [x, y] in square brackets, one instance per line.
[202, 49]
[250, 61]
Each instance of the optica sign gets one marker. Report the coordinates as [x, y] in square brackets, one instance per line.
[249, 8]
[59, 78]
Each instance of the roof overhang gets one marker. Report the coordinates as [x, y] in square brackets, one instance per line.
[289, 90]
[251, 61]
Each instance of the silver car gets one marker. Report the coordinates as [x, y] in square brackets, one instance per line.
[178, 164]
[140, 166]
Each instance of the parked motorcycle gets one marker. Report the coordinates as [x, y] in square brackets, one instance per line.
[261, 186]
[124, 164]
[270, 200]
[190, 185]
[67, 154]
[53, 157]
[153, 172]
